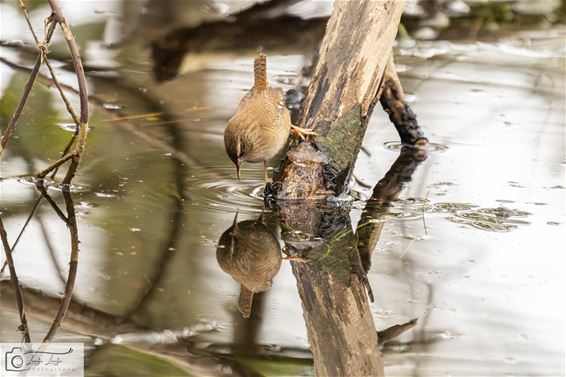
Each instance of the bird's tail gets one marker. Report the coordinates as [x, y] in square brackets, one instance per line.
[245, 301]
[260, 72]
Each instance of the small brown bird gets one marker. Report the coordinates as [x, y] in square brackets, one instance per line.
[260, 128]
[250, 253]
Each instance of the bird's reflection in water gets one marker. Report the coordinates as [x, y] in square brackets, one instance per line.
[249, 252]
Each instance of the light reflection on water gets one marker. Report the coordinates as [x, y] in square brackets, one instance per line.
[488, 302]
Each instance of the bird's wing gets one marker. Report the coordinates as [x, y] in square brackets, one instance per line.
[280, 108]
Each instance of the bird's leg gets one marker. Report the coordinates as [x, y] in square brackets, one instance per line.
[292, 257]
[265, 177]
[302, 132]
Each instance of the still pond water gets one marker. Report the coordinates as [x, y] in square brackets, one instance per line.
[473, 247]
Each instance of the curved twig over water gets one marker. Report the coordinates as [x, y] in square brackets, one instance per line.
[71, 222]
[83, 95]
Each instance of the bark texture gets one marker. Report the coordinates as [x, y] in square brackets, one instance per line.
[331, 284]
[339, 324]
[340, 99]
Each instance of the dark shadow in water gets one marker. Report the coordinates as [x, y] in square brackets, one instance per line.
[330, 263]
[385, 191]
[264, 25]
[174, 233]
[84, 319]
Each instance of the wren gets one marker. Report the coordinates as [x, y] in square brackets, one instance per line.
[260, 128]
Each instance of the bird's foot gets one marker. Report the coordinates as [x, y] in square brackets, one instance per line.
[294, 258]
[302, 132]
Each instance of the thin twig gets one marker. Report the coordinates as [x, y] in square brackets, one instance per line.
[55, 165]
[65, 151]
[83, 95]
[69, 109]
[73, 266]
[41, 188]
[15, 283]
[82, 128]
[26, 15]
[27, 89]
[30, 216]
[49, 66]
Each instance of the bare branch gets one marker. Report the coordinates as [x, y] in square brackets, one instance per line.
[83, 95]
[27, 89]
[15, 283]
[73, 265]
[55, 165]
[49, 66]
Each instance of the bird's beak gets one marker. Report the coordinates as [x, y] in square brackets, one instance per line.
[238, 165]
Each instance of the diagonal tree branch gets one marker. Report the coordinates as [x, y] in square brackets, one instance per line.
[27, 89]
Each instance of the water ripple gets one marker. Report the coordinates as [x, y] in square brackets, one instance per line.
[433, 148]
[217, 188]
[31, 180]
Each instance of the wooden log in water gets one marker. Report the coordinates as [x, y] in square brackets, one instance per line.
[346, 85]
[340, 327]
[342, 94]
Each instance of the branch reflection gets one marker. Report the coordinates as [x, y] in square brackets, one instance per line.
[70, 221]
[385, 191]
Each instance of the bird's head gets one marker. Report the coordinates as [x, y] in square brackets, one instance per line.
[237, 154]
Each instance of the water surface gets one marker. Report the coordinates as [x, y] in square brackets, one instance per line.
[471, 247]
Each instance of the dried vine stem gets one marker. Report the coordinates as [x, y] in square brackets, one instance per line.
[55, 165]
[50, 67]
[71, 222]
[27, 89]
[15, 283]
[75, 156]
